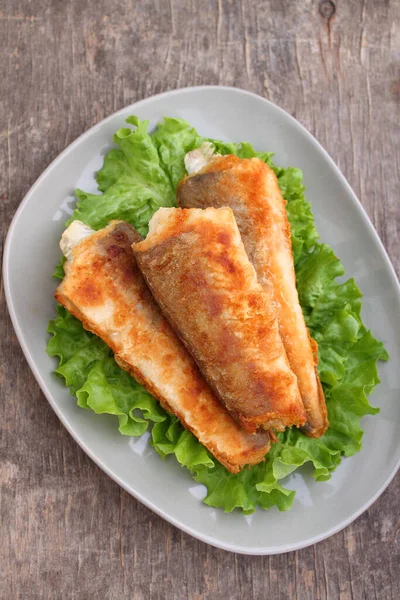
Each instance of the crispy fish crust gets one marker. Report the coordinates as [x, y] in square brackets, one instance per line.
[195, 264]
[251, 189]
[104, 288]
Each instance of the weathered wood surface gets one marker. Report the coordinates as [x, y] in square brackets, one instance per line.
[66, 530]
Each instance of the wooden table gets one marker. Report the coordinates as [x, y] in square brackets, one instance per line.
[67, 530]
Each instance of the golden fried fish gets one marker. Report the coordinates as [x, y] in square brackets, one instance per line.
[104, 288]
[196, 266]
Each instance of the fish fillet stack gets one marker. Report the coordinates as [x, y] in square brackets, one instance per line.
[250, 188]
[204, 312]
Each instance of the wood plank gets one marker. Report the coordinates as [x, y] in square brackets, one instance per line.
[67, 530]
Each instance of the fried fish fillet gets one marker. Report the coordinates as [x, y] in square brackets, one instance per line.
[195, 264]
[104, 288]
[250, 188]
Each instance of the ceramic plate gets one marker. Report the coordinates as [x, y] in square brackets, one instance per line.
[320, 509]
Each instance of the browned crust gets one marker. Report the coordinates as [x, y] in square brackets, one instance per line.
[310, 430]
[104, 267]
[313, 431]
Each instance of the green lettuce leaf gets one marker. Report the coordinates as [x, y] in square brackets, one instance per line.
[133, 182]
[173, 139]
[140, 175]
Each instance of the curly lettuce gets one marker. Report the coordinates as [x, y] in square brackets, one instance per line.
[139, 176]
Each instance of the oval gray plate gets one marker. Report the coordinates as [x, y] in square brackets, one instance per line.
[320, 509]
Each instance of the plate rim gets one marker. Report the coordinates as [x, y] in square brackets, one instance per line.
[213, 541]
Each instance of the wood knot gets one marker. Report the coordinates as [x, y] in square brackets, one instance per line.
[327, 9]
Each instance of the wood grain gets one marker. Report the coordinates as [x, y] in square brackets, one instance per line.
[66, 530]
